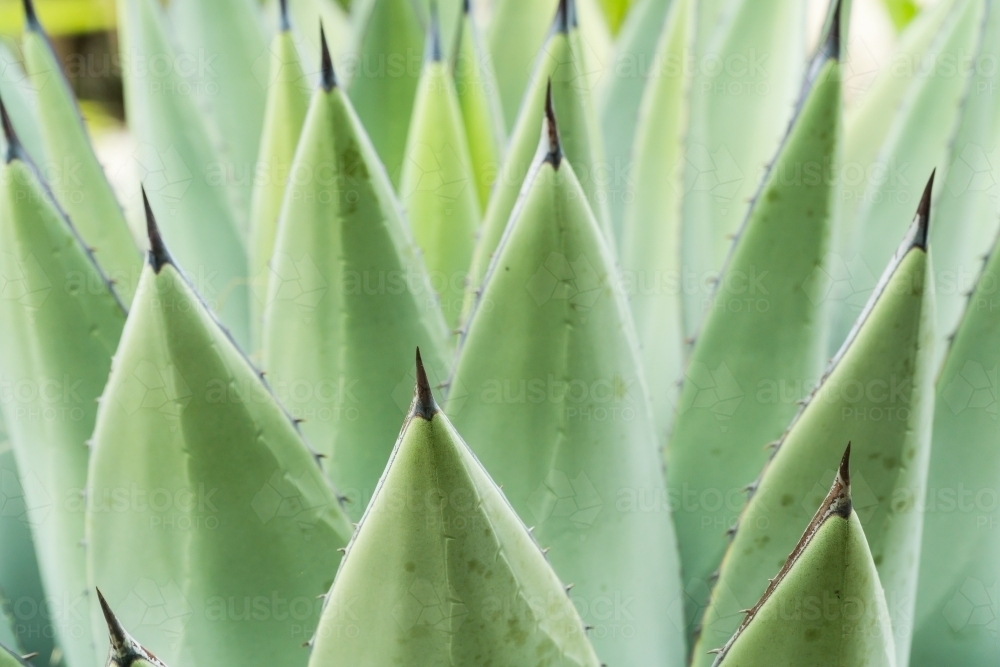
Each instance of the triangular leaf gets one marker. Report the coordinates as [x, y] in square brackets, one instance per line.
[348, 298]
[441, 570]
[548, 391]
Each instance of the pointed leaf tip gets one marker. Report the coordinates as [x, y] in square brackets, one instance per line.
[466, 6]
[30, 16]
[125, 650]
[923, 218]
[565, 16]
[423, 400]
[158, 254]
[555, 154]
[328, 78]
[831, 47]
[120, 640]
[433, 53]
[14, 147]
[283, 20]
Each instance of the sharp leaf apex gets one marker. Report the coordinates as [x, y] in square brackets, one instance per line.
[433, 53]
[555, 154]
[423, 400]
[158, 254]
[923, 220]
[284, 21]
[466, 6]
[10, 136]
[832, 45]
[328, 78]
[845, 466]
[565, 16]
[30, 16]
[120, 640]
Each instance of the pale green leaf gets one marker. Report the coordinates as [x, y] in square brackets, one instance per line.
[549, 393]
[958, 578]
[441, 570]
[178, 167]
[765, 323]
[877, 395]
[60, 322]
[76, 177]
[749, 68]
[886, 182]
[202, 495]
[224, 39]
[438, 187]
[287, 103]
[383, 75]
[825, 607]
[348, 300]
[562, 64]
[651, 251]
[478, 97]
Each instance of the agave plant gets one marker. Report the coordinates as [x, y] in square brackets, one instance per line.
[707, 345]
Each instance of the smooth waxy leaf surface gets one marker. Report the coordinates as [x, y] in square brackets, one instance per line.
[548, 392]
[561, 63]
[960, 543]
[383, 83]
[765, 323]
[442, 571]
[229, 88]
[438, 187]
[651, 250]
[878, 394]
[203, 494]
[923, 117]
[825, 607]
[179, 166]
[482, 115]
[287, 103]
[79, 183]
[348, 298]
[60, 322]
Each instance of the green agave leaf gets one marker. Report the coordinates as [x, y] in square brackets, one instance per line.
[960, 542]
[78, 180]
[825, 607]
[619, 106]
[760, 48]
[878, 394]
[652, 229]
[966, 205]
[10, 658]
[516, 33]
[596, 44]
[348, 298]
[438, 186]
[60, 321]
[765, 322]
[478, 97]
[384, 74]
[123, 650]
[226, 38]
[548, 390]
[561, 64]
[441, 570]
[22, 623]
[179, 166]
[20, 99]
[287, 103]
[923, 123]
[194, 461]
